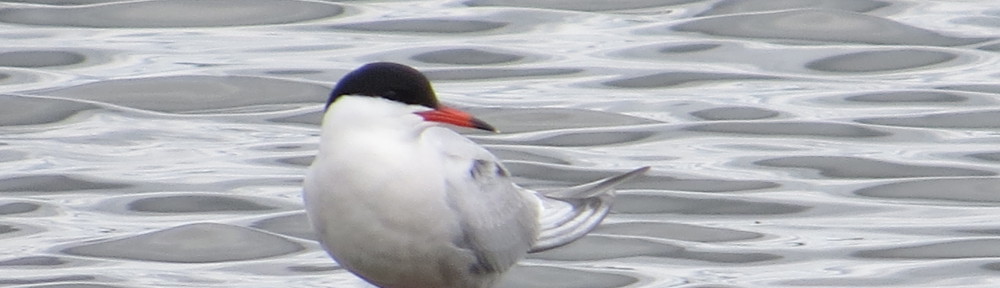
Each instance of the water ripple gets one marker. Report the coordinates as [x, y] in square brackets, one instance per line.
[192, 243]
[173, 13]
[818, 25]
[798, 143]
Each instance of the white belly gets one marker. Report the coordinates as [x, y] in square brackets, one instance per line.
[390, 239]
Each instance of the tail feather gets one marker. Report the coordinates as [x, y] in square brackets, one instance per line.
[568, 214]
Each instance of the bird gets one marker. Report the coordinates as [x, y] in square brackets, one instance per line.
[401, 200]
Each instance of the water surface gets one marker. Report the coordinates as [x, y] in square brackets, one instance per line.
[806, 143]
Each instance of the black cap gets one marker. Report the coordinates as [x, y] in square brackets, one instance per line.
[388, 80]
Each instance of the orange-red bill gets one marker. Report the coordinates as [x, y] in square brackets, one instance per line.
[455, 117]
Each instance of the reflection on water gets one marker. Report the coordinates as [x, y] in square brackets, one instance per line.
[794, 143]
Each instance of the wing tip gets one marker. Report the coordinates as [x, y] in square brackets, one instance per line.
[598, 188]
[589, 215]
[634, 173]
[580, 225]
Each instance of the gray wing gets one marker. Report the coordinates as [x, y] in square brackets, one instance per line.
[568, 214]
[505, 220]
[498, 218]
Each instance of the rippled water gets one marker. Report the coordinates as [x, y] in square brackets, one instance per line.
[794, 143]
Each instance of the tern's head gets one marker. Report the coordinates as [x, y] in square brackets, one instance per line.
[388, 80]
[405, 85]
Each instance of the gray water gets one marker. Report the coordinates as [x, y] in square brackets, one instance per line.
[803, 143]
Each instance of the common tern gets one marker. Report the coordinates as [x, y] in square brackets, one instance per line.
[403, 202]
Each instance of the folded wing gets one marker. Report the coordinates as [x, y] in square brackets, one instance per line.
[568, 214]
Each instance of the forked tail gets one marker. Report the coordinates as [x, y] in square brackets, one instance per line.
[568, 214]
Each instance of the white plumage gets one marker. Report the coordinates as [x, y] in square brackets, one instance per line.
[403, 202]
